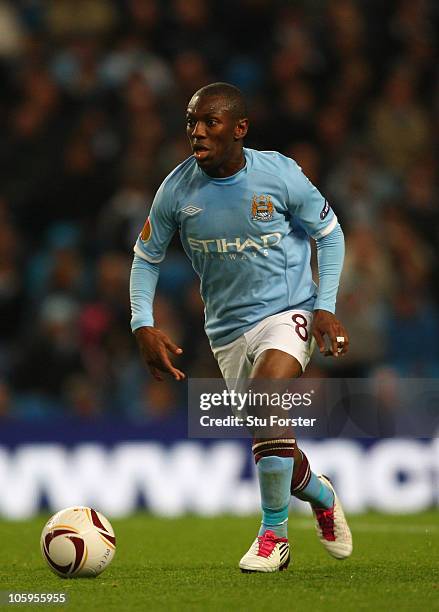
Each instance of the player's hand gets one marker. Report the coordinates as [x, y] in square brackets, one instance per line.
[154, 347]
[326, 324]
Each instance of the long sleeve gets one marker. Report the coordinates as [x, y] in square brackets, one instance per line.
[143, 282]
[330, 256]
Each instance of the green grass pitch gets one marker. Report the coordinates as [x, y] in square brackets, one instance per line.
[191, 564]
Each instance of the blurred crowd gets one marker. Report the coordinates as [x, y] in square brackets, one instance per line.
[92, 99]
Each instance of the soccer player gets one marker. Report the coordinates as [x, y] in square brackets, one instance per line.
[245, 218]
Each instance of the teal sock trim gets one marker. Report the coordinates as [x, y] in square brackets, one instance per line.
[317, 494]
[274, 474]
[272, 518]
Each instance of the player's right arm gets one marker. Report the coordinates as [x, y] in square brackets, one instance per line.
[150, 249]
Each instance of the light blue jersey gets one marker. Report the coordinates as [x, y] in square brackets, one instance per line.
[246, 235]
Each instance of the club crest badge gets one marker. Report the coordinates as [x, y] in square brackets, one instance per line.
[145, 234]
[262, 208]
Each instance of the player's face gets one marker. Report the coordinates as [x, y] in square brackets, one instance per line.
[215, 135]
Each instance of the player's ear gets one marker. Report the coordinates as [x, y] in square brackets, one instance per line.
[241, 129]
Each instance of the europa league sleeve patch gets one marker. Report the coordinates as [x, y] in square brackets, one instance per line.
[146, 232]
[326, 208]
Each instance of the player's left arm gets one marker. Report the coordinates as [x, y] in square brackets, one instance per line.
[330, 255]
[320, 222]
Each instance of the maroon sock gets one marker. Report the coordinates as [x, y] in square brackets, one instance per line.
[268, 448]
[301, 476]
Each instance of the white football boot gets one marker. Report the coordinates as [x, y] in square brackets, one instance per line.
[268, 553]
[332, 528]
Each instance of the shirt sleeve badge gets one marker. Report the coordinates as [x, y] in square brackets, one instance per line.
[145, 234]
[326, 208]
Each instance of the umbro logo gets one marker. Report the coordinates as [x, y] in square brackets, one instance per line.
[191, 210]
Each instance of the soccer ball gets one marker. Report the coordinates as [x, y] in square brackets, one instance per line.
[78, 541]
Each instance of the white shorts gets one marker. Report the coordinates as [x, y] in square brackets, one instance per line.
[288, 331]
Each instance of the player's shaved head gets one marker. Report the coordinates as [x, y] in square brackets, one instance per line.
[231, 96]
